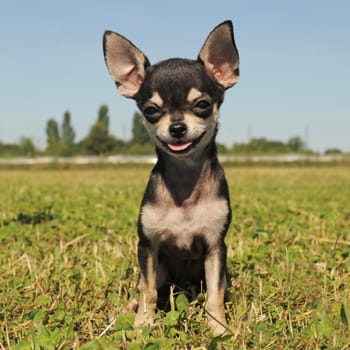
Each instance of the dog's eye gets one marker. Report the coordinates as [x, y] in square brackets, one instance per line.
[202, 104]
[152, 112]
[202, 108]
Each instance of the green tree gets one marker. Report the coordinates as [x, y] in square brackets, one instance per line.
[333, 151]
[99, 141]
[139, 132]
[52, 133]
[9, 149]
[68, 134]
[26, 146]
[261, 146]
[103, 116]
[296, 144]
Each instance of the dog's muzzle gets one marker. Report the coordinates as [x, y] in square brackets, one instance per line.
[178, 130]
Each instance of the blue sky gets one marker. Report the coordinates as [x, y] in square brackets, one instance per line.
[295, 64]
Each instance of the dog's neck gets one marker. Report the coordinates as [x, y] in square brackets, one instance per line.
[181, 175]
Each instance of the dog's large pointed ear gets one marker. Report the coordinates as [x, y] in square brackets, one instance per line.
[220, 55]
[126, 64]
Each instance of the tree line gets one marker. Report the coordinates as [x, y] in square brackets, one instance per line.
[61, 141]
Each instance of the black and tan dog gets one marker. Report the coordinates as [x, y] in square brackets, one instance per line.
[185, 211]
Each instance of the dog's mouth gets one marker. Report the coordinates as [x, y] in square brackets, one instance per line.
[181, 146]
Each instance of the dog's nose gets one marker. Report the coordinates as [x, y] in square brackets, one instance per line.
[177, 130]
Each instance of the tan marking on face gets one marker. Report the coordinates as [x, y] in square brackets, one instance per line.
[193, 94]
[156, 99]
[161, 128]
[215, 112]
[195, 126]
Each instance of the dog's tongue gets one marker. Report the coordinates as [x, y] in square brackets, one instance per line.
[177, 147]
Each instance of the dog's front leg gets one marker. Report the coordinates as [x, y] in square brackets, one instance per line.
[148, 260]
[215, 276]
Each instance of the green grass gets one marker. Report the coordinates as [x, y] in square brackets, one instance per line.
[68, 269]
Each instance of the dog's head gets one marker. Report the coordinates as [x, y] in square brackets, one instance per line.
[179, 98]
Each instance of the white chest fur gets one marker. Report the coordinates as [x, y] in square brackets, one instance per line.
[163, 221]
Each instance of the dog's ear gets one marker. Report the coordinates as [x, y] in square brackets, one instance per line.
[220, 55]
[126, 64]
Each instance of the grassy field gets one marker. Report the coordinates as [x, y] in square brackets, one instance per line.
[68, 267]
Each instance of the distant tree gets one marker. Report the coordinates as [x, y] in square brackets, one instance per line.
[221, 148]
[260, 146]
[26, 146]
[98, 140]
[52, 133]
[333, 151]
[296, 144]
[139, 132]
[9, 149]
[68, 134]
[103, 116]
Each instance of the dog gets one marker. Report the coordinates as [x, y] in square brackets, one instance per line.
[185, 211]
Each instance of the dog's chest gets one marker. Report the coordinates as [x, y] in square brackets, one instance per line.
[165, 222]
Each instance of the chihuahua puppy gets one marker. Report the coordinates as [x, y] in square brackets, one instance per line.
[185, 211]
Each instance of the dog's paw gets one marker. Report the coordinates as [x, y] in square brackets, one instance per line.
[217, 323]
[144, 318]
